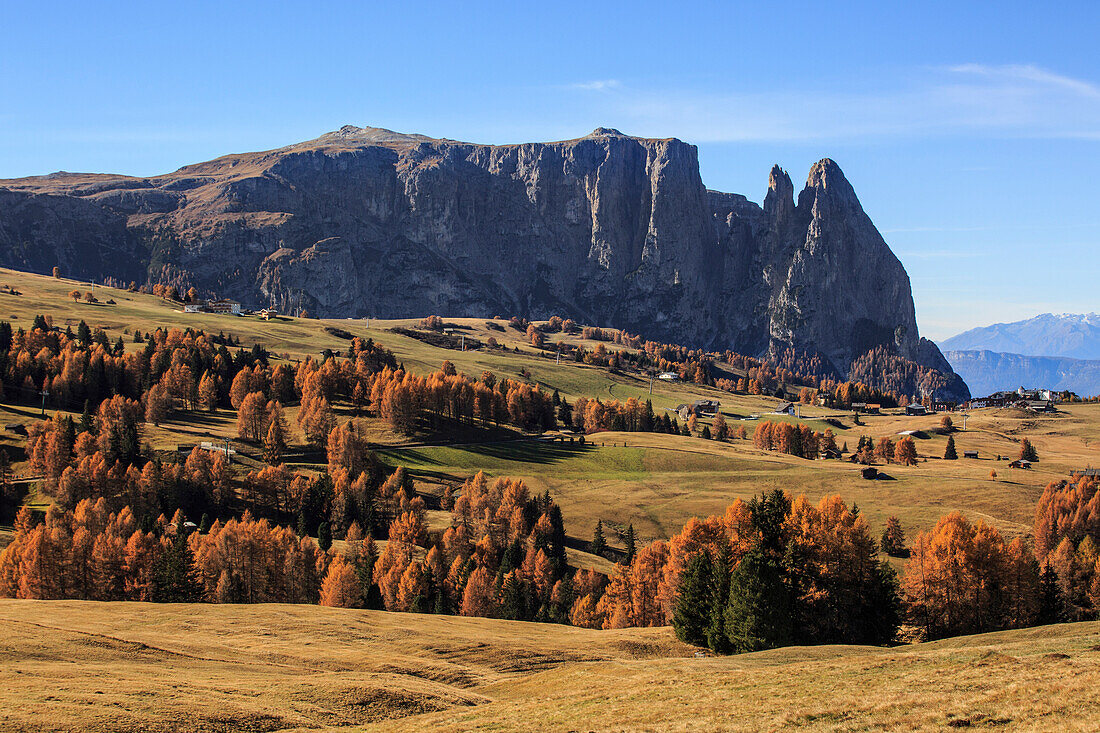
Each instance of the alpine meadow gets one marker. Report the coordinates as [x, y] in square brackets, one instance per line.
[393, 431]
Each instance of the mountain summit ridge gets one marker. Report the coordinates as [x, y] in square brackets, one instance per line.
[1068, 335]
[606, 228]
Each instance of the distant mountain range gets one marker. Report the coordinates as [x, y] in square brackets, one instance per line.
[989, 371]
[1067, 334]
[1056, 351]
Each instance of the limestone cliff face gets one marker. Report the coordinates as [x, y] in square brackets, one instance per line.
[607, 229]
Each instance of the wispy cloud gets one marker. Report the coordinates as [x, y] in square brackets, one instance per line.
[1009, 100]
[597, 85]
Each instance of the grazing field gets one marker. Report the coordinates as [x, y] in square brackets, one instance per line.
[73, 665]
[652, 481]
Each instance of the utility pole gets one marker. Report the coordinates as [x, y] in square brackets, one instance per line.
[45, 393]
[228, 459]
[462, 343]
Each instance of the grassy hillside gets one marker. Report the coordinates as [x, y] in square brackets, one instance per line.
[654, 481]
[70, 665]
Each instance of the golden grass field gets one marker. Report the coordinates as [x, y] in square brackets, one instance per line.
[654, 481]
[130, 667]
[73, 665]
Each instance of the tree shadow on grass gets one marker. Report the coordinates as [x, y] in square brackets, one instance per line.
[517, 451]
[531, 451]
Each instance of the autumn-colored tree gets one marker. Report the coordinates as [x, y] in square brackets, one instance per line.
[905, 452]
[56, 272]
[478, 598]
[275, 442]
[252, 417]
[340, 588]
[208, 392]
[75, 295]
[317, 420]
[721, 428]
[884, 450]
[1066, 509]
[1027, 451]
[946, 424]
[956, 579]
[157, 404]
[584, 613]
[240, 388]
[992, 474]
[412, 589]
[632, 598]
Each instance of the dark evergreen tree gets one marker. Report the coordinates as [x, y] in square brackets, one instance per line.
[717, 638]
[950, 454]
[879, 613]
[769, 512]
[565, 413]
[1052, 603]
[557, 539]
[324, 536]
[87, 422]
[175, 572]
[513, 602]
[599, 544]
[706, 432]
[691, 614]
[648, 420]
[759, 612]
[513, 557]
[631, 545]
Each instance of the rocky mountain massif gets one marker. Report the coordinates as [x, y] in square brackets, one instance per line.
[607, 229]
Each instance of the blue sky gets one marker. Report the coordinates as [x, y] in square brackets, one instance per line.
[970, 131]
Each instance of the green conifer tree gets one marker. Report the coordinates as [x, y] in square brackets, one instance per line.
[599, 544]
[691, 614]
[717, 638]
[759, 612]
[1052, 603]
[949, 453]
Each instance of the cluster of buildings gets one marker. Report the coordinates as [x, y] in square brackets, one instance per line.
[225, 306]
[1036, 400]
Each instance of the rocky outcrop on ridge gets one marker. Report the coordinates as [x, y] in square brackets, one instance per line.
[607, 229]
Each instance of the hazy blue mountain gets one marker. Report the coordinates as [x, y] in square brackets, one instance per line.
[988, 371]
[1067, 334]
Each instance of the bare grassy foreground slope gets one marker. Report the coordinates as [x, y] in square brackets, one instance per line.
[71, 665]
